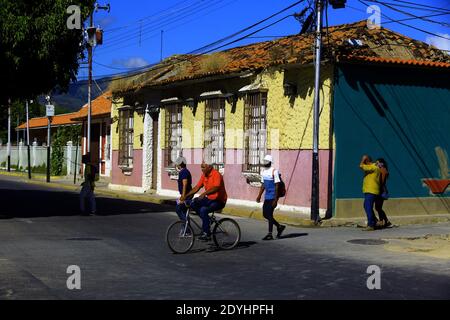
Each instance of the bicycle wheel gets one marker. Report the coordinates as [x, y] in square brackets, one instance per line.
[226, 233]
[179, 237]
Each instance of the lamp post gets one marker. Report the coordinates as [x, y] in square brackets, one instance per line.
[9, 135]
[28, 140]
[50, 112]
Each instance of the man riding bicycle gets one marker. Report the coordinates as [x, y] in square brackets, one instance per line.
[212, 199]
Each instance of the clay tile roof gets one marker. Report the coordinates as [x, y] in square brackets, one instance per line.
[295, 49]
[410, 62]
[42, 122]
[101, 106]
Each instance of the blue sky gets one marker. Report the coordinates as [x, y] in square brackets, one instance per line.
[132, 36]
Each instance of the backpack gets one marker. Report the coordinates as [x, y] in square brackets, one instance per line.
[281, 186]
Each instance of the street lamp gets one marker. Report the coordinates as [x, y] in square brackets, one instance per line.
[50, 112]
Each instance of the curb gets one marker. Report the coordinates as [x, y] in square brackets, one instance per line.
[288, 218]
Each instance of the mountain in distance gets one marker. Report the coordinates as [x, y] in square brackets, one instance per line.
[76, 95]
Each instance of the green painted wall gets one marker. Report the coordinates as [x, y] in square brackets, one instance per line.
[399, 113]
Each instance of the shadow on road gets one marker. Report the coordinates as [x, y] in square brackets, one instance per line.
[293, 235]
[41, 203]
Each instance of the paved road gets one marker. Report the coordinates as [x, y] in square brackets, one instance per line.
[122, 255]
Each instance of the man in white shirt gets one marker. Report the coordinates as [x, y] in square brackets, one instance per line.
[270, 179]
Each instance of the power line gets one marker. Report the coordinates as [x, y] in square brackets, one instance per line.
[169, 29]
[157, 25]
[222, 40]
[248, 28]
[396, 4]
[410, 14]
[407, 25]
[144, 18]
[136, 72]
[420, 5]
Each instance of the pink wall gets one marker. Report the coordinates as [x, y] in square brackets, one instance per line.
[117, 176]
[295, 167]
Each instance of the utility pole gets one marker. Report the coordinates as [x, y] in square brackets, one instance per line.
[94, 37]
[315, 191]
[90, 46]
[28, 140]
[9, 135]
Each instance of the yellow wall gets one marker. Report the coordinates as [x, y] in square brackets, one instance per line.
[234, 126]
[162, 128]
[292, 119]
[138, 126]
[289, 120]
[193, 127]
[115, 123]
[138, 130]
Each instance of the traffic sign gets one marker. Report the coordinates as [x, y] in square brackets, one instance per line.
[50, 110]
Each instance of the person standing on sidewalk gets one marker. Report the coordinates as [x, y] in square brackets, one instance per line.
[384, 195]
[371, 189]
[270, 179]
[184, 186]
[88, 186]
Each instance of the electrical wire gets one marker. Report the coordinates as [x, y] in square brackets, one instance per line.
[144, 68]
[408, 25]
[421, 5]
[413, 7]
[154, 35]
[157, 25]
[410, 14]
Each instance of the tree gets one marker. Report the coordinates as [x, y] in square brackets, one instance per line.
[38, 52]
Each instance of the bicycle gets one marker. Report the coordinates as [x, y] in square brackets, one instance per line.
[180, 235]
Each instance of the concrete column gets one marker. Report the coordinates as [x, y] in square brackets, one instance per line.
[69, 157]
[33, 153]
[147, 152]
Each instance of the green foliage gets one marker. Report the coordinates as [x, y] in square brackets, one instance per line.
[38, 51]
[59, 141]
[39, 169]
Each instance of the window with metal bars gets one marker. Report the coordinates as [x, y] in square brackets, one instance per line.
[173, 134]
[255, 107]
[126, 122]
[215, 132]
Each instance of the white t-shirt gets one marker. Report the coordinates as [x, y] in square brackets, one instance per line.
[269, 177]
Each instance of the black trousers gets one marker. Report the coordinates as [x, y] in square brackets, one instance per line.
[379, 208]
[268, 214]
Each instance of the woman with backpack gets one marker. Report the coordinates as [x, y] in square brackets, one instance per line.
[271, 185]
[384, 195]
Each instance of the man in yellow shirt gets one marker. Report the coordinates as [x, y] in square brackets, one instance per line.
[371, 188]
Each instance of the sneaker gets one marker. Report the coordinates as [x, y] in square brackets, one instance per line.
[204, 237]
[280, 231]
[368, 228]
[268, 237]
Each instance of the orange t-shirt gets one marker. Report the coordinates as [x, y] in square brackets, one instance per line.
[214, 179]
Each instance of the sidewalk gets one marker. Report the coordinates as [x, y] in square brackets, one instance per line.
[294, 219]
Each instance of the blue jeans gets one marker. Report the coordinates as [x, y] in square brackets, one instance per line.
[369, 201]
[204, 207]
[181, 210]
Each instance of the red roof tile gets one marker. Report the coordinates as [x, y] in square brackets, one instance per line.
[295, 49]
[410, 62]
[42, 122]
[101, 106]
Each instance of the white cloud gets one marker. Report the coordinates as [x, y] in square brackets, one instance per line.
[438, 42]
[130, 63]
